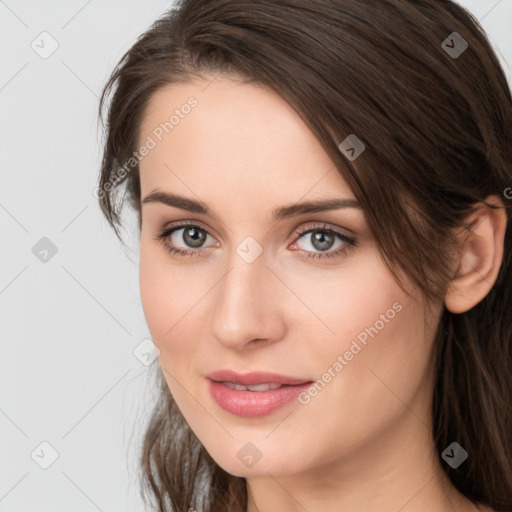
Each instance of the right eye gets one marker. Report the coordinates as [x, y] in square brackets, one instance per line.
[190, 235]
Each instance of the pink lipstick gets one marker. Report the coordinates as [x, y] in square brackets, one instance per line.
[253, 394]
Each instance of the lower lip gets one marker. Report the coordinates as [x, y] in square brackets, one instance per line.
[253, 404]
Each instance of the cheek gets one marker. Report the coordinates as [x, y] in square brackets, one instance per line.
[389, 365]
[152, 285]
[385, 382]
[171, 296]
[160, 286]
[169, 318]
[373, 348]
[349, 302]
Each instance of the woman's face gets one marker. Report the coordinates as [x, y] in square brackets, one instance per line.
[303, 294]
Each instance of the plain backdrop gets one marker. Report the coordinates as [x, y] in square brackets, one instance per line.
[75, 391]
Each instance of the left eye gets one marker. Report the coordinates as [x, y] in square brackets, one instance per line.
[323, 239]
[320, 239]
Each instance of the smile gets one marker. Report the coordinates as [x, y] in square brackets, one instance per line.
[254, 394]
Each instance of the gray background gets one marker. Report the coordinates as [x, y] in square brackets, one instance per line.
[70, 323]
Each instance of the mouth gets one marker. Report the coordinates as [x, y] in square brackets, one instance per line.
[254, 387]
[254, 394]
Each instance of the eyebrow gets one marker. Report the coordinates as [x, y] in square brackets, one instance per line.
[280, 213]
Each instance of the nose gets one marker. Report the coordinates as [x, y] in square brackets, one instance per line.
[246, 305]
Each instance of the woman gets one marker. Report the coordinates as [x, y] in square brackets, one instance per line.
[324, 254]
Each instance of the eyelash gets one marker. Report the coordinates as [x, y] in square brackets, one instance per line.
[165, 233]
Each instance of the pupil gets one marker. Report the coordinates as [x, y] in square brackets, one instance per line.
[194, 237]
[322, 240]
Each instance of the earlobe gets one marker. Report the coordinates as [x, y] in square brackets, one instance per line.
[481, 253]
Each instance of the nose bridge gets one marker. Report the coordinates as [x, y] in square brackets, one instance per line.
[245, 302]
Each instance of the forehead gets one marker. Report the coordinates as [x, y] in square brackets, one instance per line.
[233, 141]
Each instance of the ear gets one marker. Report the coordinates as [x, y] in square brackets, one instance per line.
[481, 254]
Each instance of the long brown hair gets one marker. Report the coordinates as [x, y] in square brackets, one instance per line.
[434, 111]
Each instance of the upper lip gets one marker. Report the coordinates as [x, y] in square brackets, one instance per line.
[253, 378]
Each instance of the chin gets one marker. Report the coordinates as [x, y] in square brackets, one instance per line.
[249, 461]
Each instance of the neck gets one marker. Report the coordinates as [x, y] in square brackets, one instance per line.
[397, 471]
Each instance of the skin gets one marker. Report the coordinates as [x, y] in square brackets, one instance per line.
[364, 442]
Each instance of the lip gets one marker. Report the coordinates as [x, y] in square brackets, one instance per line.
[253, 378]
[253, 404]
